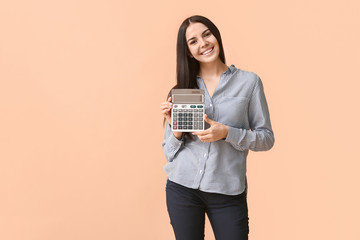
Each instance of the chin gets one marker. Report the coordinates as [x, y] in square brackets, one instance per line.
[211, 59]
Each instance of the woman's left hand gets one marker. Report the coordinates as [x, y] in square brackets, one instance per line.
[215, 132]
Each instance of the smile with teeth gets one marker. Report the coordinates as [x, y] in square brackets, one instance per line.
[208, 51]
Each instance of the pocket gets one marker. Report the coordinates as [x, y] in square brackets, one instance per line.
[233, 111]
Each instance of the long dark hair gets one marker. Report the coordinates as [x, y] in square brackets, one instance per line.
[186, 67]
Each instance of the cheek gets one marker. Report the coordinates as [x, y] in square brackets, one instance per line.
[192, 50]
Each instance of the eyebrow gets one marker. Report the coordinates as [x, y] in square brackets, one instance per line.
[201, 34]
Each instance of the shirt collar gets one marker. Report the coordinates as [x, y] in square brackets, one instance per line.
[232, 69]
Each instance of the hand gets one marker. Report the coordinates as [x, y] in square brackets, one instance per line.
[166, 109]
[215, 132]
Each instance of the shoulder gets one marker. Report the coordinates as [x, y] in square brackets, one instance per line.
[241, 83]
[251, 78]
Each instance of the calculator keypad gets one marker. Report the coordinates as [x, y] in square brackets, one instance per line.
[187, 117]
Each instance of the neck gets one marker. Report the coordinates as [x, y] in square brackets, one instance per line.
[212, 69]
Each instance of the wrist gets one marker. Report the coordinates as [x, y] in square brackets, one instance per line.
[178, 135]
[225, 132]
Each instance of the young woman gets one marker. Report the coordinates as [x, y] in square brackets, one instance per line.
[207, 170]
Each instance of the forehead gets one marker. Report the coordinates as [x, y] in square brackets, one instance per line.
[194, 29]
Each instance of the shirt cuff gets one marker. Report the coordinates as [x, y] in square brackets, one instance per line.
[234, 135]
[174, 142]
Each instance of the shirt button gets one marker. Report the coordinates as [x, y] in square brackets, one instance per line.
[205, 154]
[201, 171]
[210, 105]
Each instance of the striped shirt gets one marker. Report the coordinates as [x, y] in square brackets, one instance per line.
[220, 167]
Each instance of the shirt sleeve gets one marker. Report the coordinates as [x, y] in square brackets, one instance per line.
[260, 137]
[171, 144]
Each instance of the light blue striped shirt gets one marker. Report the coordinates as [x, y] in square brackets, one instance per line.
[220, 167]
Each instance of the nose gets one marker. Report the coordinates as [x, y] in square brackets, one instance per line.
[203, 43]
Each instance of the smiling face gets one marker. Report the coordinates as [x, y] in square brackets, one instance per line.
[202, 44]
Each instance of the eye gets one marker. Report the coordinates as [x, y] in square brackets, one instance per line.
[192, 42]
[207, 34]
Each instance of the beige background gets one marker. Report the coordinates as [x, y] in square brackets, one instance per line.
[81, 84]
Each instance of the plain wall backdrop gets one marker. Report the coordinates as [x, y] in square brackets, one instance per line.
[81, 84]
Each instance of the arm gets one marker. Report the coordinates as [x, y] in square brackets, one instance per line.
[261, 136]
[171, 143]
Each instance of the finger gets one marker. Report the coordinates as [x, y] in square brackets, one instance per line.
[208, 138]
[167, 111]
[207, 119]
[166, 104]
[202, 133]
[205, 138]
[165, 107]
[169, 99]
[198, 133]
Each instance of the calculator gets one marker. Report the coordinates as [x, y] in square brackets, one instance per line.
[188, 110]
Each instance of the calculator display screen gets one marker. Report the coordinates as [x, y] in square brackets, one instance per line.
[187, 98]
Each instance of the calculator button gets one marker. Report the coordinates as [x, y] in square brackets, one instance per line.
[175, 114]
[195, 110]
[180, 114]
[175, 106]
[180, 127]
[185, 123]
[174, 123]
[200, 110]
[200, 125]
[174, 127]
[192, 106]
[180, 123]
[190, 123]
[184, 127]
[190, 119]
[180, 110]
[185, 114]
[190, 114]
[189, 127]
[175, 110]
[195, 119]
[199, 106]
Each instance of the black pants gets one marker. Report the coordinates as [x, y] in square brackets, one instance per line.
[228, 214]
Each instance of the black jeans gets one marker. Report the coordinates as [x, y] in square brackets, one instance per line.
[228, 214]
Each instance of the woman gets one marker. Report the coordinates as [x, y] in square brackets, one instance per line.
[207, 170]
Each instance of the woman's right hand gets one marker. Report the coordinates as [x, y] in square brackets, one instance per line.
[166, 112]
[166, 109]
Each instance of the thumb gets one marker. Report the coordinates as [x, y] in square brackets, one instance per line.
[208, 120]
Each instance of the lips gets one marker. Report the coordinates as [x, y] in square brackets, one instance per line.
[209, 50]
